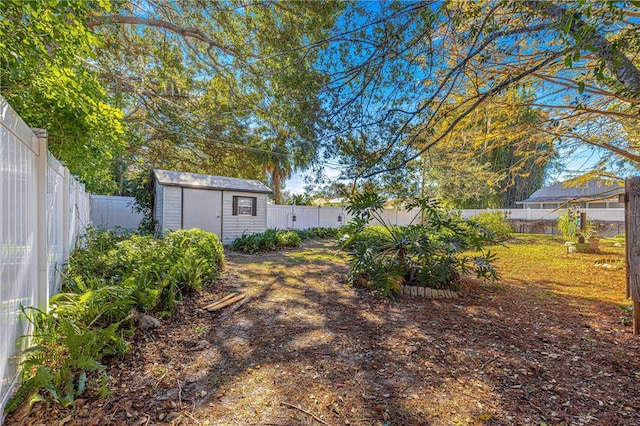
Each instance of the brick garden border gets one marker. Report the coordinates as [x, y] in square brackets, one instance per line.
[430, 293]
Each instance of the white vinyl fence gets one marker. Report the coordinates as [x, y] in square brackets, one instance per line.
[111, 211]
[605, 215]
[304, 217]
[42, 211]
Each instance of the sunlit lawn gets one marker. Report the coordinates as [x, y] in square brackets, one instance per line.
[541, 262]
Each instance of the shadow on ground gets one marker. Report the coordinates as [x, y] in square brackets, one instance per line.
[306, 345]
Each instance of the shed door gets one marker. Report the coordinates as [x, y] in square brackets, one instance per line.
[202, 208]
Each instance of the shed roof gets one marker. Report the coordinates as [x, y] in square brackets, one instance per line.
[591, 191]
[200, 181]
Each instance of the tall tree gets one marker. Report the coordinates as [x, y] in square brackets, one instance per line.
[495, 157]
[43, 77]
[195, 80]
[206, 80]
[424, 64]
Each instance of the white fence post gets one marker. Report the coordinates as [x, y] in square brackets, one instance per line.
[42, 299]
[66, 220]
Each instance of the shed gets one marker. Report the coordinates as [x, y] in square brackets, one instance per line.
[225, 206]
[593, 194]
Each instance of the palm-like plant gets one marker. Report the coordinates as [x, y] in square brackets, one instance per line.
[277, 160]
[432, 253]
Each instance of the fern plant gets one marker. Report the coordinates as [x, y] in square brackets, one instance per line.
[92, 319]
[65, 350]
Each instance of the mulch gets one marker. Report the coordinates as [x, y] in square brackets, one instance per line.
[307, 349]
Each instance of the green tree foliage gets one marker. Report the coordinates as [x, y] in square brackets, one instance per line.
[494, 158]
[184, 85]
[222, 88]
[44, 51]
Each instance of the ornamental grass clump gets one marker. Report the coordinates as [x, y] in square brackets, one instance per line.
[431, 252]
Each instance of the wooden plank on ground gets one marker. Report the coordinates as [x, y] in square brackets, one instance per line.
[223, 299]
[234, 308]
[220, 305]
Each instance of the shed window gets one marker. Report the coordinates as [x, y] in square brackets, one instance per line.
[244, 206]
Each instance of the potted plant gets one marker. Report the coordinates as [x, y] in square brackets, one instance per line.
[589, 238]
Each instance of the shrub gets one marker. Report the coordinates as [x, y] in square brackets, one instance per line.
[273, 239]
[105, 281]
[269, 240]
[432, 254]
[494, 222]
[568, 224]
[158, 271]
[319, 233]
[352, 237]
[288, 239]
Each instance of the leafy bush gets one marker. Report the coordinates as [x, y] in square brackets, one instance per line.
[319, 233]
[350, 238]
[269, 240]
[273, 239]
[105, 281]
[494, 222]
[158, 271]
[431, 254]
[568, 224]
[288, 239]
[68, 344]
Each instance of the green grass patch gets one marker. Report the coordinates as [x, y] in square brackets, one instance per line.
[543, 260]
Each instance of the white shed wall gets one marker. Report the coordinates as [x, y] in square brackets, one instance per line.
[158, 204]
[234, 226]
[172, 208]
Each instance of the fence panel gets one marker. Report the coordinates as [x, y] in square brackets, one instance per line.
[108, 212]
[55, 222]
[42, 212]
[332, 217]
[605, 215]
[281, 217]
[18, 239]
[79, 212]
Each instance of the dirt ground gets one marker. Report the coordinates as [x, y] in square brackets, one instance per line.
[306, 349]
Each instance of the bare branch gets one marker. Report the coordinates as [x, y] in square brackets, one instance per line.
[191, 32]
[498, 88]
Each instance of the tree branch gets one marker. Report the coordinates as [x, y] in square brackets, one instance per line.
[191, 32]
[498, 88]
[621, 66]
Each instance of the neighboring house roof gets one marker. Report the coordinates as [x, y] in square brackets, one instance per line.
[199, 181]
[591, 191]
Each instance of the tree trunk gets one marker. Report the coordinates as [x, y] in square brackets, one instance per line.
[276, 182]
